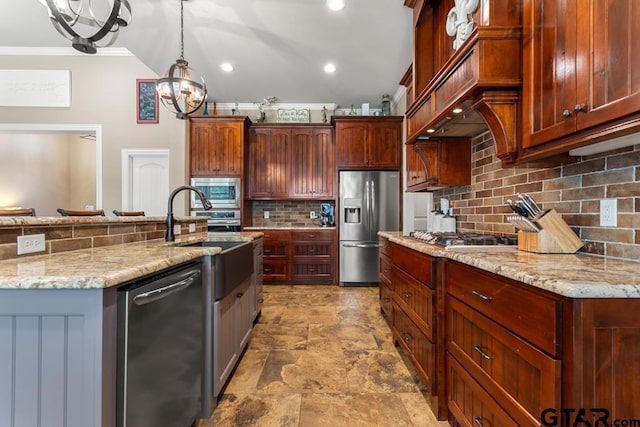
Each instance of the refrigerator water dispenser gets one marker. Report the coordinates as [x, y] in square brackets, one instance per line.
[351, 215]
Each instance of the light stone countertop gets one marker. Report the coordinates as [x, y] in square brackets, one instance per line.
[107, 266]
[572, 275]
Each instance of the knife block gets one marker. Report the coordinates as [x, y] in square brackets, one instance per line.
[554, 237]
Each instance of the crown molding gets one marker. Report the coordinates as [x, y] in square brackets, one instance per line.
[60, 51]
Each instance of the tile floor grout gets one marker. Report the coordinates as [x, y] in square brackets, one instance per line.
[291, 373]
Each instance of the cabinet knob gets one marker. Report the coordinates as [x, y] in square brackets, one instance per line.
[406, 295]
[239, 295]
[386, 299]
[566, 114]
[578, 108]
[406, 337]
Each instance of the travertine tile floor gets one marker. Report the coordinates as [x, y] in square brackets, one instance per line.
[322, 356]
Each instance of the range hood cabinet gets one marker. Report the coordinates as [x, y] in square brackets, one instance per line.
[483, 73]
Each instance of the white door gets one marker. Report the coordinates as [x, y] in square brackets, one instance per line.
[145, 181]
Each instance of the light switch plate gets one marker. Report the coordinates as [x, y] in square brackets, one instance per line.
[30, 244]
[192, 228]
[266, 214]
[177, 229]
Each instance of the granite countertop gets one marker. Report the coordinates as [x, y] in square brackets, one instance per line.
[107, 266]
[572, 275]
[79, 220]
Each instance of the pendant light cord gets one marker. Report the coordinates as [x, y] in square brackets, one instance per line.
[182, 30]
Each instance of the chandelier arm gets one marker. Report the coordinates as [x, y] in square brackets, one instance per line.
[59, 19]
[111, 20]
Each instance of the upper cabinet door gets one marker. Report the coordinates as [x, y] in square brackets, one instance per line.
[608, 61]
[268, 163]
[581, 67]
[351, 139]
[385, 145]
[312, 164]
[549, 64]
[216, 147]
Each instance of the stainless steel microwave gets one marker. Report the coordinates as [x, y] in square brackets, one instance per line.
[223, 193]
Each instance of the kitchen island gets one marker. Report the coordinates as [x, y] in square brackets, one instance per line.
[516, 338]
[58, 311]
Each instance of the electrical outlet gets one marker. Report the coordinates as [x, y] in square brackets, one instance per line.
[192, 228]
[608, 213]
[266, 214]
[312, 215]
[177, 229]
[31, 243]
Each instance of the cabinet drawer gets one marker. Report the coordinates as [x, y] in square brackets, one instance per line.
[531, 315]
[421, 349]
[469, 403]
[327, 235]
[415, 299]
[521, 377]
[276, 235]
[385, 246]
[320, 272]
[413, 262]
[313, 249]
[385, 299]
[275, 250]
[385, 268]
[275, 271]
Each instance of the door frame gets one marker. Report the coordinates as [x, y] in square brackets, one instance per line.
[64, 128]
[127, 157]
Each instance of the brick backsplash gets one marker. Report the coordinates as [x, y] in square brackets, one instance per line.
[574, 190]
[285, 213]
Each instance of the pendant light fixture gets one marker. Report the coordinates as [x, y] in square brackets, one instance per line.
[76, 18]
[178, 92]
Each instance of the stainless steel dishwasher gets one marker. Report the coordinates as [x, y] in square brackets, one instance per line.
[160, 349]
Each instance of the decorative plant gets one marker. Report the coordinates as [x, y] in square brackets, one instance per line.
[262, 105]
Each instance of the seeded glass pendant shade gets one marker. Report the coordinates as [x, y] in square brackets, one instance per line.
[176, 89]
[89, 24]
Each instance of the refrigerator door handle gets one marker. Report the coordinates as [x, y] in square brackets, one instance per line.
[350, 245]
[367, 245]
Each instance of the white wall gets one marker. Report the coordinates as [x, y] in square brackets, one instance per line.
[103, 92]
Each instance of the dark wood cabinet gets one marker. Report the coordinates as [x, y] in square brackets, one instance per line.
[408, 298]
[216, 145]
[275, 256]
[313, 255]
[299, 256]
[268, 162]
[312, 163]
[580, 77]
[438, 163]
[368, 142]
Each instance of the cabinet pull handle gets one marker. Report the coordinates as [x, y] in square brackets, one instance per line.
[312, 270]
[386, 270]
[579, 108]
[267, 251]
[482, 353]
[406, 337]
[312, 236]
[406, 295]
[386, 299]
[267, 270]
[239, 295]
[312, 250]
[481, 296]
[478, 421]
[566, 114]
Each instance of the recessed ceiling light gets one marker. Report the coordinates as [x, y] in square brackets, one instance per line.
[457, 110]
[226, 67]
[329, 68]
[336, 4]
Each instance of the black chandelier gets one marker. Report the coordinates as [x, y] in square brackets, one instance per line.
[71, 18]
[177, 90]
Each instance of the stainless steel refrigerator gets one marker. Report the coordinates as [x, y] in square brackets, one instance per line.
[369, 202]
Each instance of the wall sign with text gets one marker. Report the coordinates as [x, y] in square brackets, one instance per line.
[147, 101]
[295, 115]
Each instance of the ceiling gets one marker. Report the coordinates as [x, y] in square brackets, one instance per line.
[278, 47]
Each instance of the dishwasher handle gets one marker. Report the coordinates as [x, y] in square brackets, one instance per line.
[160, 293]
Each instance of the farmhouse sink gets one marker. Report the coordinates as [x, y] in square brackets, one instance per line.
[231, 267]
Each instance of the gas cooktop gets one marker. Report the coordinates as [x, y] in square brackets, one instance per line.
[466, 241]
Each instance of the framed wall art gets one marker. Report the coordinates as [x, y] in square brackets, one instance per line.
[147, 101]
